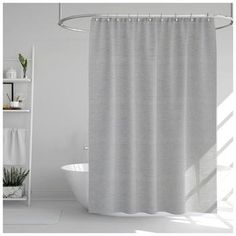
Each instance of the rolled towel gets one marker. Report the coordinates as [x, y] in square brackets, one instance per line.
[14, 146]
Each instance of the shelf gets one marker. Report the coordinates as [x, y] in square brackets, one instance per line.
[16, 80]
[16, 111]
[24, 198]
[15, 59]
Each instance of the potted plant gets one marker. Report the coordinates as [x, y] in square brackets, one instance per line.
[23, 62]
[13, 179]
[15, 104]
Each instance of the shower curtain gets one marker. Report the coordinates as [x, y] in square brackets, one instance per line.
[152, 115]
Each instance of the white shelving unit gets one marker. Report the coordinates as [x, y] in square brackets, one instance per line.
[16, 80]
[24, 198]
[28, 111]
[13, 59]
[16, 111]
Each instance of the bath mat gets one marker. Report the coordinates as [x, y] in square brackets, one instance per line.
[31, 216]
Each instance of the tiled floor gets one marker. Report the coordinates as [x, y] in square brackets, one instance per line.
[75, 219]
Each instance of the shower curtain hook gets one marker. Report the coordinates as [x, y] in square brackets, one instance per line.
[191, 17]
[149, 16]
[208, 19]
[138, 17]
[108, 17]
[117, 17]
[176, 19]
[161, 17]
[129, 19]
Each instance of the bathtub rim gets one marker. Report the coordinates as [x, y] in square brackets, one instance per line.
[76, 167]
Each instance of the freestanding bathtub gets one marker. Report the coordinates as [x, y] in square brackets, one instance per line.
[78, 178]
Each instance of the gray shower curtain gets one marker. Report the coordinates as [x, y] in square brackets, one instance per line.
[152, 115]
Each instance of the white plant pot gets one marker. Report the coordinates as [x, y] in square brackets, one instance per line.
[13, 191]
[15, 104]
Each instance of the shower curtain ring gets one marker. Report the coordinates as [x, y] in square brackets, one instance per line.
[149, 17]
[138, 19]
[129, 19]
[191, 17]
[161, 17]
[176, 19]
[108, 19]
[117, 17]
[208, 19]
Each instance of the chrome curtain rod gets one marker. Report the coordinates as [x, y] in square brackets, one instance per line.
[61, 21]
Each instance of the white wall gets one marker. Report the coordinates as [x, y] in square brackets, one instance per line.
[61, 80]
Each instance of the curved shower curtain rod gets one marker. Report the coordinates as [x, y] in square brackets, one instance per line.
[61, 21]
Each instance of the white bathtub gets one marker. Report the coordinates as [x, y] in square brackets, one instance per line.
[78, 178]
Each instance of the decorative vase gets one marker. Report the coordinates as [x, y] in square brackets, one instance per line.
[13, 191]
[11, 73]
[24, 73]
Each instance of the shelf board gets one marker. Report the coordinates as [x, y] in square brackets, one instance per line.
[24, 198]
[15, 59]
[16, 111]
[16, 80]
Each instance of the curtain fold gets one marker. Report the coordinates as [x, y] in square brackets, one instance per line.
[152, 115]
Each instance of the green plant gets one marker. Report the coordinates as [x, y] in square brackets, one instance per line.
[14, 176]
[23, 62]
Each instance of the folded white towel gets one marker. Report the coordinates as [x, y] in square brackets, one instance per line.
[14, 146]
